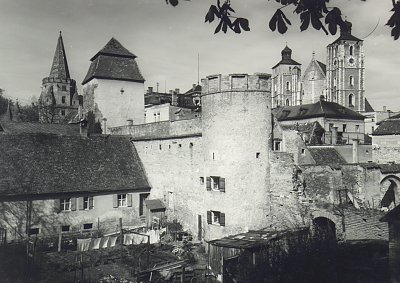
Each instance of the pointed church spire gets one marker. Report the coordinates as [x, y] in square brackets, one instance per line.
[59, 69]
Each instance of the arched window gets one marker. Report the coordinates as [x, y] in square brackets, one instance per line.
[351, 81]
[351, 50]
[287, 103]
[351, 99]
[287, 85]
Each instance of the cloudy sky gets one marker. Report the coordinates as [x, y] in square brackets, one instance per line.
[167, 41]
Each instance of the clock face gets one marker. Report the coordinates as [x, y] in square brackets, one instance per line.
[351, 61]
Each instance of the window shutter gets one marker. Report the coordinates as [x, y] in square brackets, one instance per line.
[222, 219]
[57, 205]
[80, 203]
[115, 201]
[222, 184]
[73, 203]
[129, 199]
[209, 217]
[91, 205]
[208, 183]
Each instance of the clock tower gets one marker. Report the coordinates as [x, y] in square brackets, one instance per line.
[345, 71]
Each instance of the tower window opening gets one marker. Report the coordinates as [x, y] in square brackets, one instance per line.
[351, 98]
[351, 50]
[287, 85]
[287, 103]
[351, 81]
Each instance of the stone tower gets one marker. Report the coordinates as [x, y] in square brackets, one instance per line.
[236, 123]
[314, 81]
[285, 81]
[345, 71]
[59, 101]
[113, 89]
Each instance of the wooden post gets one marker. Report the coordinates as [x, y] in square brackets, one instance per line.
[148, 251]
[121, 233]
[59, 240]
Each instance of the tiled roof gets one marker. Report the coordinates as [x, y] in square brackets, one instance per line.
[12, 127]
[59, 68]
[114, 62]
[326, 156]
[286, 61]
[319, 109]
[114, 48]
[36, 165]
[154, 204]
[304, 127]
[389, 126]
[315, 71]
[346, 36]
[323, 67]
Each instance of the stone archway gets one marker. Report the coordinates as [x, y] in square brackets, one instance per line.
[324, 229]
[389, 192]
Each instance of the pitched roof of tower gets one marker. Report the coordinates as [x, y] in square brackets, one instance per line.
[315, 70]
[321, 108]
[286, 58]
[114, 62]
[59, 68]
[368, 106]
[114, 48]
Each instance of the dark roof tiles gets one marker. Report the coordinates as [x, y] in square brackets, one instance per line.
[326, 156]
[319, 109]
[389, 126]
[35, 165]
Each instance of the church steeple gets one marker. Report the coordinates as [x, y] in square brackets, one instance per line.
[59, 68]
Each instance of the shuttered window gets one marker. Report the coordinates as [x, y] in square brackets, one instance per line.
[215, 183]
[208, 185]
[216, 217]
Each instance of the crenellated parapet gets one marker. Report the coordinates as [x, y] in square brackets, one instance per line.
[236, 82]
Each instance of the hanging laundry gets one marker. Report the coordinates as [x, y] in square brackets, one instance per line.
[129, 239]
[104, 243]
[96, 244]
[113, 241]
[83, 244]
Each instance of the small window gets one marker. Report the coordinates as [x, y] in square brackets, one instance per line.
[351, 79]
[88, 226]
[62, 112]
[357, 128]
[179, 145]
[201, 180]
[160, 146]
[303, 151]
[344, 128]
[287, 85]
[63, 99]
[65, 228]
[215, 183]
[331, 125]
[277, 145]
[216, 217]
[351, 96]
[87, 203]
[33, 231]
[122, 200]
[213, 156]
[65, 204]
[191, 145]
[287, 103]
[257, 155]
[351, 50]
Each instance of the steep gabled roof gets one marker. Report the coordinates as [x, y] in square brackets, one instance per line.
[59, 68]
[368, 107]
[315, 71]
[319, 109]
[114, 62]
[40, 165]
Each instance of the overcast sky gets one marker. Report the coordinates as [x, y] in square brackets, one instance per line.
[167, 41]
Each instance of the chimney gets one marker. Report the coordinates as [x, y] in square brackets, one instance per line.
[177, 90]
[355, 150]
[334, 135]
[150, 89]
[129, 122]
[174, 98]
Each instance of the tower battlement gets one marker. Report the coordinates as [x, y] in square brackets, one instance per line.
[236, 82]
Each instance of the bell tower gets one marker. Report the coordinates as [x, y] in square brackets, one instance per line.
[346, 71]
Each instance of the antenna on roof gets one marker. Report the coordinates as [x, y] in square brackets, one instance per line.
[198, 68]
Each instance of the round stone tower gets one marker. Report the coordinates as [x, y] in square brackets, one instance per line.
[236, 122]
